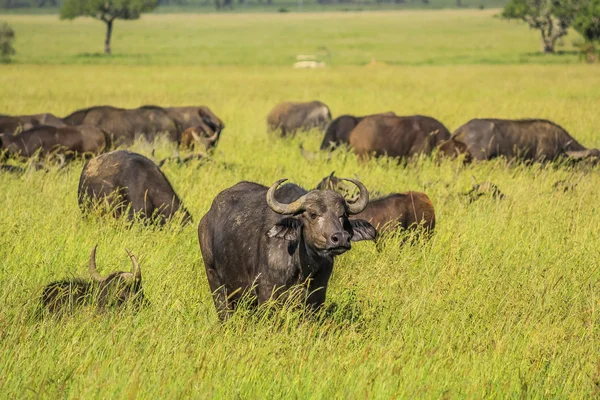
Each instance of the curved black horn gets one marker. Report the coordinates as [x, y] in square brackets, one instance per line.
[363, 197]
[92, 266]
[281, 208]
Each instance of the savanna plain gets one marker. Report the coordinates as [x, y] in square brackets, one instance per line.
[502, 301]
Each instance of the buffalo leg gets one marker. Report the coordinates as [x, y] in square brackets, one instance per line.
[224, 308]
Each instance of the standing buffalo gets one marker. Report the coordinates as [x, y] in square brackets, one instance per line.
[115, 290]
[290, 117]
[409, 210]
[261, 241]
[528, 139]
[400, 137]
[68, 140]
[338, 131]
[125, 125]
[129, 182]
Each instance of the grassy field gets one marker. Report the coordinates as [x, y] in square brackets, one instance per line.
[400, 38]
[501, 302]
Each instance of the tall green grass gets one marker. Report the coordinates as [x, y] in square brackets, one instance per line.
[502, 301]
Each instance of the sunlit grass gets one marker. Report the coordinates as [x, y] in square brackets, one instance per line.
[454, 37]
[501, 301]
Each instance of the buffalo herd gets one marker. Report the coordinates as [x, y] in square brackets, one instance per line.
[259, 242]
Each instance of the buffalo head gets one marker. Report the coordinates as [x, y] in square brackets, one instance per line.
[120, 287]
[321, 218]
[453, 149]
[200, 134]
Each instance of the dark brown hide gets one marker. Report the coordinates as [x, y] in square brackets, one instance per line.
[290, 117]
[530, 139]
[194, 116]
[124, 125]
[123, 181]
[409, 210]
[397, 136]
[68, 140]
[199, 135]
[338, 131]
[261, 241]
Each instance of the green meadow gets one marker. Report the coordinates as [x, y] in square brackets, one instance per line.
[502, 301]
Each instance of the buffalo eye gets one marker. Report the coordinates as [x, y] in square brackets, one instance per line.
[313, 216]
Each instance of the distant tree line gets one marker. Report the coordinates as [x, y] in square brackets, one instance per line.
[231, 4]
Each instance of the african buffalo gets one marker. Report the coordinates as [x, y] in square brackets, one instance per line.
[398, 136]
[19, 123]
[338, 131]
[261, 241]
[289, 117]
[201, 134]
[201, 116]
[10, 125]
[115, 290]
[68, 140]
[409, 210]
[129, 182]
[527, 139]
[125, 125]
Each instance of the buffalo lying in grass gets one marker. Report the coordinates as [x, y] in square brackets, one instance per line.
[117, 289]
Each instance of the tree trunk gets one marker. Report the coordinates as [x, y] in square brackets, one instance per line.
[548, 46]
[108, 36]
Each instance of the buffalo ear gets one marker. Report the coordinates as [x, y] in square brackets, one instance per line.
[287, 228]
[362, 230]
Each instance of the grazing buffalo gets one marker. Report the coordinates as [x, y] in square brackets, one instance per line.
[68, 140]
[129, 182]
[125, 125]
[398, 136]
[290, 117]
[409, 210]
[115, 290]
[261, 241]
[338, 131]
[190, 117]
[200, 134]
[20, 123]
[528, 139]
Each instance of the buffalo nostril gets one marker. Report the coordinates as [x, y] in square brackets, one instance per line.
[335, 239]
